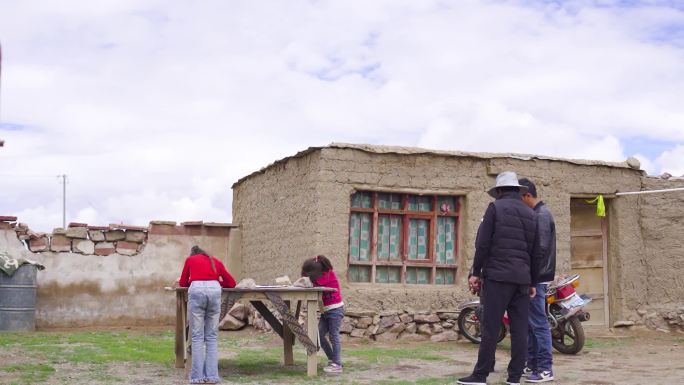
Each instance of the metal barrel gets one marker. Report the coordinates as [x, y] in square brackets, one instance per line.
[18, 299]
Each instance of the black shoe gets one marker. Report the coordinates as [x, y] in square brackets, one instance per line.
[511, 381]
[472, 380]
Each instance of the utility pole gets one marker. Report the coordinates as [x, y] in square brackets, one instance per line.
[63, 176]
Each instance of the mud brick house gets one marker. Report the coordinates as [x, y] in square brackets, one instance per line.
[399, 225]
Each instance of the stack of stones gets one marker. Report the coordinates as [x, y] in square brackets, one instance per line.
[81, 238]
[390, 325]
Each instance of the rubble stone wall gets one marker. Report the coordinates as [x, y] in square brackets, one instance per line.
[120, 286]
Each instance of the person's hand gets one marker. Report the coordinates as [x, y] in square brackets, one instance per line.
[474, 284]
[533, 291]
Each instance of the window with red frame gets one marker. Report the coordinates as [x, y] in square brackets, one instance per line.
[403, 238]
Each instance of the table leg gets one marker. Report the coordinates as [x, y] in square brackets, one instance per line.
[180, 331]
[288, 341]
[312, 330]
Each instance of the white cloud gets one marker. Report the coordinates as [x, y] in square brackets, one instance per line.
[672, 161]
[155, 108]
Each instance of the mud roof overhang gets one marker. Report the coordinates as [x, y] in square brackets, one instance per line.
[377, 149]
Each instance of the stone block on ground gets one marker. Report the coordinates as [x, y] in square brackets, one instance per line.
[240, 311]
[424, 329]
[346, 328]
[448, 335]
[406, 318]
[387, 322]
[413, 337]
[231, 323]
[426, 318]
[398, 328]
[437, 328]
[411, 327]
[364, 322]
[386, 337]
[358, 333]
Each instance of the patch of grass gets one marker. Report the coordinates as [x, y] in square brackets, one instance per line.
[383, 355]
[30, 373]
[601, 343]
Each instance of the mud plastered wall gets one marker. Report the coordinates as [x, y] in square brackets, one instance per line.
[336, 172]
[277, 212]
[80, 289]
[661, 305]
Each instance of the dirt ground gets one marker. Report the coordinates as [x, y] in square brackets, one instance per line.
[609, 358]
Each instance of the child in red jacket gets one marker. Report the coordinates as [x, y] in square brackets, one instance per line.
[320, 272]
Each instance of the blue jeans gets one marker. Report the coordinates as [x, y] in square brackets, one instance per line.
[329, 324]
[539, 356]
[204, 309]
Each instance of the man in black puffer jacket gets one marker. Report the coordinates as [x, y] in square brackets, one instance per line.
[506, 268]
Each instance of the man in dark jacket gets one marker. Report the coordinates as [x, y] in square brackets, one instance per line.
[539, 358]
[505, 267]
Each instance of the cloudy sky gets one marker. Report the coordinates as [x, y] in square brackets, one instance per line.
[154, 108]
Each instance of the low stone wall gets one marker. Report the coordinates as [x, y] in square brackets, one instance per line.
[384, 326]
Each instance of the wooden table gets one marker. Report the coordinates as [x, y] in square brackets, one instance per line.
[257, 296]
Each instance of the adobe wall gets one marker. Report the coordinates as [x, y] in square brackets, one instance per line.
[319, 184]
[80, 287]
[661, 304]
[343, 170]
[278, 224]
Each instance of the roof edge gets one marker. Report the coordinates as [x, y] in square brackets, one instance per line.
[382, 149]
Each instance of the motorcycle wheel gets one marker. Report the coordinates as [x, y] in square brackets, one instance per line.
[568, 337]
[469, 326]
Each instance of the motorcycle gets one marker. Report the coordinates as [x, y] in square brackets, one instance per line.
[564, 309]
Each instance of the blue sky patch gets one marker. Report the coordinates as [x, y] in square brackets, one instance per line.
[12, 127]
[650, 148]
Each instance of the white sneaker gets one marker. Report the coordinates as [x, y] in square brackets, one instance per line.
[333, 368]
[544, 376]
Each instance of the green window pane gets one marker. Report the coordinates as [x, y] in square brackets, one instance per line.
[362, 200]
[389, 201]
[418, 275]
[387, 274]
[419, 203]
[445, 276]
[444, 240]
[389, 237]
[418, 238]
[359, 273]
[359, 236]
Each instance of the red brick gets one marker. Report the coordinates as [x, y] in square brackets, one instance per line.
[38, 243]
[8, 218]
[76, 224]
[104, 248]
[126, 248]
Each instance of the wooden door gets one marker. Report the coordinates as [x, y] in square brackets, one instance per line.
[589, 256]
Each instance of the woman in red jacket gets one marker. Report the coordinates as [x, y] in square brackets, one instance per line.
[205, 276]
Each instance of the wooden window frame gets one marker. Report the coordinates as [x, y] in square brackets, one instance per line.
[407, 215]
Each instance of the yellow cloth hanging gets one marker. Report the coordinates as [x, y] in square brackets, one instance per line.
[600, 206]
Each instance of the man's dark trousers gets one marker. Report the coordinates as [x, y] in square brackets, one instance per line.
[499, 297]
